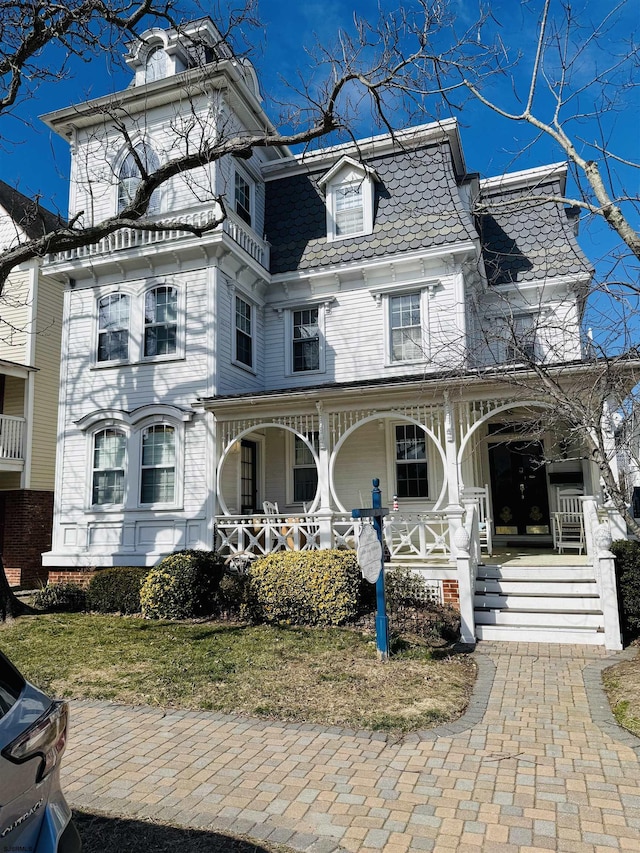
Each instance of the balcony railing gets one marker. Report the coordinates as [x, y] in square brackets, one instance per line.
[11, 437]
[133, 238]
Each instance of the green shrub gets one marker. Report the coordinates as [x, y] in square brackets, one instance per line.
[413, 611]
[117, 590]
[61, 598]
[183, 586]
[305, 587]
[232, 595]
[628, 575]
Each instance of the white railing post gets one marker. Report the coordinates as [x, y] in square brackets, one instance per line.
[607, 587]
[324, 518]
[455, 516]
[461, 542]
[11, 437]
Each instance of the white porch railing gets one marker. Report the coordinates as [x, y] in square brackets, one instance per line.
[131, 238]
[11, 437]
[407, 535]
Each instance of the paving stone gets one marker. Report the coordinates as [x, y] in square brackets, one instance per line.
[537, 763]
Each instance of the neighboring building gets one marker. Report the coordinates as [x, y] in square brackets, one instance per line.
[30, 326]
[351, 318]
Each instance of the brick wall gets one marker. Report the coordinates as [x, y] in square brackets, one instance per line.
[28, 518]
[451, 593]
[81, 577]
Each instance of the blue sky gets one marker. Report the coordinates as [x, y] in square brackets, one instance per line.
[37, 162]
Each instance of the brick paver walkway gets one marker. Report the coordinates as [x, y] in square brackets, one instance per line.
[536, 764]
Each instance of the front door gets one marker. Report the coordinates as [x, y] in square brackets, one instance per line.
[519, 488]
[248, 477]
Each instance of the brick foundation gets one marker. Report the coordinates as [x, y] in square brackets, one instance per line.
[81, 577]
[451, 593]
[27, 519]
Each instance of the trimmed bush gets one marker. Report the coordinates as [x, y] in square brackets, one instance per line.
[183, 586]
[61, 598]
[117, 590]
[628, 575]
[413, 611]
[305, 587]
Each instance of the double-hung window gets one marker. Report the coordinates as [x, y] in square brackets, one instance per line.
[160, 321]
[244, 332]
[521, 339]
[113, 327]
[158, 469]
[411, 462]
[349, 209]
[305, 473]
[243, 198]
[306, 340]
[406, 328]
[130, 175]
[109, 460]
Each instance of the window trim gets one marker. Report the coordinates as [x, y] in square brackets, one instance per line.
[431, 459]
[422, 292]
[251, 186]
[291, 464]
[125, 467]
[137, 325]
[98, 331]
[142, 432]
[345, 172]
[156, 201]
[289, 338]
[235, 330]
[143, 343]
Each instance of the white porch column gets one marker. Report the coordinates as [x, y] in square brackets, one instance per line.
[451, 449]
[324, 514]
[465, 585]
[608, 436]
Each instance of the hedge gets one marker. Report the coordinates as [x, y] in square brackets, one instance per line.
[117, 590]
[627, 555]
[183, 586]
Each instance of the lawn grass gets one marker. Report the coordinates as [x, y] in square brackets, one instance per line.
[622, 686]
[329, 676]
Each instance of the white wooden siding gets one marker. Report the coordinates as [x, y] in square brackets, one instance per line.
[14, 317]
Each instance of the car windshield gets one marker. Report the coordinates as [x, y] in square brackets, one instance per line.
[11, 685]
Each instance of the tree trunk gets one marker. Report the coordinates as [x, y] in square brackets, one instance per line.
[10, 605]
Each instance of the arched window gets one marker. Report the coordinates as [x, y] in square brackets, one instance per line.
[113, 327]
[129, 176]
[156, 65]
[160, 321]
[109, 460]
[158, 470]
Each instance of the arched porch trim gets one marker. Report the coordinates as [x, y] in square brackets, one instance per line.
[505, 407]
[247, 431]
[395, 416]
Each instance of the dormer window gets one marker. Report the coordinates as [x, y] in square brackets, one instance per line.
[156, 65]
[129, 176]
[349, 199]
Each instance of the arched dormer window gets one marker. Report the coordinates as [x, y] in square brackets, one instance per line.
[129, 176]
[156, 64]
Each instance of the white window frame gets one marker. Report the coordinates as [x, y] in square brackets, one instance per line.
[145, 325]
[157, 70]
[431, 460]
[99, 331]
[137, 326]
[234, 327]
[348, 172]
[143, 432]
[289, 339]
[156, 201]
[114, 428]
[422, 293]
[291, 465]
[251, 184]
[518, 328]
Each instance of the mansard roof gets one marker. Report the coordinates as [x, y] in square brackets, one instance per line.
[527, 234]
[34, 219]
[417, 206]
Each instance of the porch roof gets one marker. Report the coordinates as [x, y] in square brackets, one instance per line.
[481, 380]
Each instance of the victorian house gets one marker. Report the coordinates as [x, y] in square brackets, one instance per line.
[357, 314]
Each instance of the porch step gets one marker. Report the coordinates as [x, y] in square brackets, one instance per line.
[536, 634]
[544, 604]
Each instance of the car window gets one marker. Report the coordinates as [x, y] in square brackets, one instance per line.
[11, 685]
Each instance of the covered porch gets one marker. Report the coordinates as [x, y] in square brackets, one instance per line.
[462, 477]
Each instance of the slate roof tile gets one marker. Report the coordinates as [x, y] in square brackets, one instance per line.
[417, 205]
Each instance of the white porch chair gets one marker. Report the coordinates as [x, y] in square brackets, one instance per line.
[568, 521]
[480, 494]
[270, 508]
